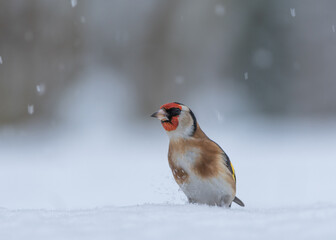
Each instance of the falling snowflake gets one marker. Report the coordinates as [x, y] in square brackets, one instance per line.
[40, 88]
[179, 79]
[219, 10]
[30, 109]
[73, 3]
[333, 28]
[219, 116]
[246, 75]
[0, 60]
[292, 11]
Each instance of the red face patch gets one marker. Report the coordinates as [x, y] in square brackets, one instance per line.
[173, 124]
[171, 105]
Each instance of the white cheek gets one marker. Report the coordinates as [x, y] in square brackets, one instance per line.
[184, 108]
[184, 128]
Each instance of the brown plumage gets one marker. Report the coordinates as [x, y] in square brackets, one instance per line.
[199, 166]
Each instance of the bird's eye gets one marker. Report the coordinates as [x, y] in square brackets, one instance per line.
[175, 111]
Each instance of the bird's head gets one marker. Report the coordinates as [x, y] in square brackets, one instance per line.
[177, 119]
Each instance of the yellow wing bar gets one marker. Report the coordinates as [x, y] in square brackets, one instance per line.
[233, 172]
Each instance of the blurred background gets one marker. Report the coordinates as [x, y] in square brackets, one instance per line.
[79, 79]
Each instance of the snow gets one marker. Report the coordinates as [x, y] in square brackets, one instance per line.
[101, 172]
[40, 88]
[219, 116]
[220, 10]
[333, 28]
[73, 3]
[30, 109]
[292, 12]
[246, 75]
[0, 60]
[179, 80]
[91, 185]
[166, 221]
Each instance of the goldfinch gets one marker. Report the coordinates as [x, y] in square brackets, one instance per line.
[199, 165]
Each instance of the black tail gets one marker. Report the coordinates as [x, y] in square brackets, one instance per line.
[239, 202]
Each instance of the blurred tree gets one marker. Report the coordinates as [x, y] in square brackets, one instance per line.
[40, 46]
[172, 50]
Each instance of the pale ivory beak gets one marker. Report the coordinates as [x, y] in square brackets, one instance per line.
[161, 115]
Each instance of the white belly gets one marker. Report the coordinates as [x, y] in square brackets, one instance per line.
[211, 191]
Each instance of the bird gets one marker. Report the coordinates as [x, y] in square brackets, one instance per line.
[200, 166]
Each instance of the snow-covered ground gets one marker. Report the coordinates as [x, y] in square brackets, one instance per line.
[88, 178]
[93, 186]
[171, 221]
